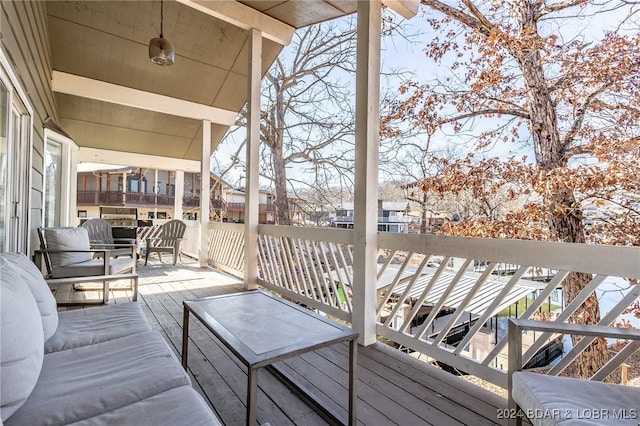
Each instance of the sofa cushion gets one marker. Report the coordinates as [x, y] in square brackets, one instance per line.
[22, 337]
[67, 239]
[178, 406]
[40, 290]
[552, 400]
[80, 383]
[82, 327]
[93, 267]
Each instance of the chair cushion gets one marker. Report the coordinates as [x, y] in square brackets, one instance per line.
[67, 239]
[83, 327]
[40, 290]
[552, 400]
[80, 383]
[93, 267]
[177, 406]
[22, 337]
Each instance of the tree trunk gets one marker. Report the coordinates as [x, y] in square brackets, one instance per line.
[423, 214]
[565, 214]
[277, 156]
[280, 177]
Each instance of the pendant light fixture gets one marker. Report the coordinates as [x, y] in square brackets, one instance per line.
[160, 49]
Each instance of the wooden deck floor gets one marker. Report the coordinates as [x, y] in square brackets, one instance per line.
[393, 388]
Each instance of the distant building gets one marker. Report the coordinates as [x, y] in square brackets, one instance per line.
[392, 216]
[236, 206]
[151, 191]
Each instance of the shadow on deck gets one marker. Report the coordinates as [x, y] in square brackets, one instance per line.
[393, 388]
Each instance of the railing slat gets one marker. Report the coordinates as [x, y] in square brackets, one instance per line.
[586, 341]
[461, 308]
[492, 307]
[442, 300]
[565, 314]
[425, 293]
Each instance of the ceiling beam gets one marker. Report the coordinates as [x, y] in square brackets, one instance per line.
[146, 161]
[121, 95]
[244, 17]
[405, 8]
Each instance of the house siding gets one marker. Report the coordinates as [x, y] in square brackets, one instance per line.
[25, 41]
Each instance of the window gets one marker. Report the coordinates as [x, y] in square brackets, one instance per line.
[15, 161]
[53, 183]
[60, 178]
[82, 213]
[4, 160]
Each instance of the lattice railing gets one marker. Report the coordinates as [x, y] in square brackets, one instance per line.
[310, 265]
[440, 305]
[226, 247]
[441, 296]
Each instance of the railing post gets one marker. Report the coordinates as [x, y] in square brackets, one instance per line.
[177, 199]
[203, 253]
[252, 162]
[366, 178]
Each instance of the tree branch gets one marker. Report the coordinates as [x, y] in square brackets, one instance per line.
[559, 6]
[514, 113]
[458, 15]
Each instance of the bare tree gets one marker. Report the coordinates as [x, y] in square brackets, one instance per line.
[307, 112]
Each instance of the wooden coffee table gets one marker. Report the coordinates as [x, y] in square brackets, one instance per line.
[261, 329]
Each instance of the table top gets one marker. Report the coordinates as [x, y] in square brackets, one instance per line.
[261, 328]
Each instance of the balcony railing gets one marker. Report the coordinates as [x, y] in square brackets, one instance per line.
[381, 219]
[430, 299]
[115, 198]
[240, 207]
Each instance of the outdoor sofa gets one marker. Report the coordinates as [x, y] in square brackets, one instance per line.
[102, 365]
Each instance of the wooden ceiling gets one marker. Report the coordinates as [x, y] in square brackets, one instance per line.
[107, 41]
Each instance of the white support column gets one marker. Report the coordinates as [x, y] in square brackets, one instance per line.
[253, 155]
[124, 188]
[205, 183]
[366, 178]
[177, 202]
[71, 215]
[155, 194]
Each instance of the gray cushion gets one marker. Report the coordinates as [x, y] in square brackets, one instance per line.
[575, 401]
[21, 334]
[40, 290]
[79, 383]
[67, 239]
[178, 406]
[93, 267]
[82, 327]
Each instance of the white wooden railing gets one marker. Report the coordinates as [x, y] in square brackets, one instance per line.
[421, 277]
[309, 265]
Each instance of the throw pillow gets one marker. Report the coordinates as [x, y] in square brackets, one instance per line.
[67, 239]
[40, 290]
[22, 348]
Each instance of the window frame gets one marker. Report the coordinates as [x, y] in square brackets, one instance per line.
[18, 101]
[68, 175]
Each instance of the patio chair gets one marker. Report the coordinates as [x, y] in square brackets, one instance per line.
[171, 234]
[101, 237]
[69, 259]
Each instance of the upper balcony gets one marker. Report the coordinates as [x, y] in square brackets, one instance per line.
[381, 219]
[262, 208]
[138, 199]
